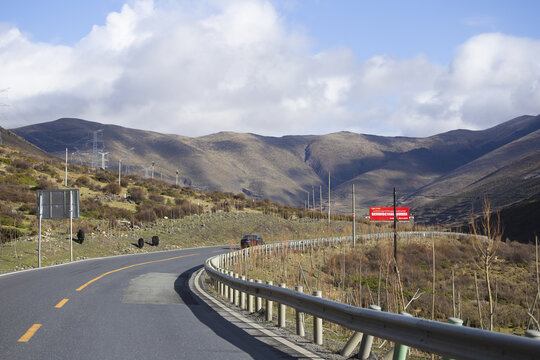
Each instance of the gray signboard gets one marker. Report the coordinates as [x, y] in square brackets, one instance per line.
[55, 203]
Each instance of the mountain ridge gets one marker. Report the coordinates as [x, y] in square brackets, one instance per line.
[286, 168]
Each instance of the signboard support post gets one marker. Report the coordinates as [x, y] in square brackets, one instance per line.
[39, 241]
[71, 225]
[353, 219]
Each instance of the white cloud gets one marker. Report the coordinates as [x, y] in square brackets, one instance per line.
[203, 67]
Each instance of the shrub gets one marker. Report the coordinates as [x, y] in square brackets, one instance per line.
[240, 196]
[137, 194]
[16, 193]
[124, 181]
[156, 198]
[112, 188]
[516, 253]
[44, 184]
[82, 181]
[42, 167]
[9, 233]
[181, 202]
[104, 176]
[145, 214]
[21, 164]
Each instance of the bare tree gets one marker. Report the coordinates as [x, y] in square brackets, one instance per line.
[487, 237]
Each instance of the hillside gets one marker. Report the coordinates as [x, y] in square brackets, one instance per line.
[114, 216]
[14, 141]
[441, 177]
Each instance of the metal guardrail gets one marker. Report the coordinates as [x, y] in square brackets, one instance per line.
[431, 336]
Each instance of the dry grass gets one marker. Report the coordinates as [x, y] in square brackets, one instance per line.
[367, 275]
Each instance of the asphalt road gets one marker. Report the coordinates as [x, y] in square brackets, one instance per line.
[128, 307]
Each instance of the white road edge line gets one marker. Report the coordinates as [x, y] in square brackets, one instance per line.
[267, 332]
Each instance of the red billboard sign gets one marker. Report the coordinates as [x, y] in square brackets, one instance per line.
[387, 213]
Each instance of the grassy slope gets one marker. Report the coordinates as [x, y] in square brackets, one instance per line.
[352, 276]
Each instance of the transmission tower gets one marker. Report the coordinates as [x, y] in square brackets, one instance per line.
[104, 160]
[97, 139]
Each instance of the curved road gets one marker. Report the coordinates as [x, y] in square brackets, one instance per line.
[126, 307]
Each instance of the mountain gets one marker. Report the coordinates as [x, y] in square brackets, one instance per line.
[441, 177]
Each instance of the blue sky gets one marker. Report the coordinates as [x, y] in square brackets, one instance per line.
[386, 67]
[400, 28]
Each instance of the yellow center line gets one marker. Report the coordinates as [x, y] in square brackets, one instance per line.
[30, 333]
[127, 267]
[61, 303]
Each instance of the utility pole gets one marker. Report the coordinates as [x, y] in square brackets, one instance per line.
[307, 200]
[119, 171]
[395, 228]
[313, 197]
[328, 197]
[320, 197]
[65, 177]
[353, 219]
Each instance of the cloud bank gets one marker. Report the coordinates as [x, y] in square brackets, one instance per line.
[204, 67]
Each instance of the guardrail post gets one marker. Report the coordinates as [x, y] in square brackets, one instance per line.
[258, 305]
[317, 324]
[282, 310]
[300, 316]
[352, 344]
[226, 287]
[367, 340]
[454, 321]
[400, 350]
[269, 304]
[231, 289]
[236, 293]
[243, 296]
[251, 308]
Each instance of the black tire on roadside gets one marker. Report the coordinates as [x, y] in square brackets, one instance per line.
[155, 240]
[80, 236]
[141, 243]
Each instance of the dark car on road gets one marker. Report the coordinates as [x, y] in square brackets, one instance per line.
[251, 240]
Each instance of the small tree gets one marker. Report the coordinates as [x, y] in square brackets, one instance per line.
[486, 240]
